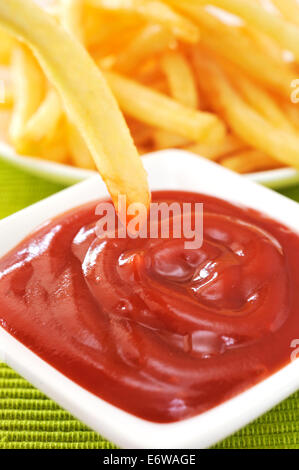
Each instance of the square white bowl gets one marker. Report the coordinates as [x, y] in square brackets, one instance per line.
[172, 170]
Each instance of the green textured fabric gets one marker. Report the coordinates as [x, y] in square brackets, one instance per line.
[29, 420]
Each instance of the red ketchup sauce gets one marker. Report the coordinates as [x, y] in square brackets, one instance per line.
[162, 332]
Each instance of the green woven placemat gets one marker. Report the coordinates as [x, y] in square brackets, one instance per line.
[29, 420]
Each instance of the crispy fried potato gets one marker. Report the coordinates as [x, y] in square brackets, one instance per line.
[235, 43]
[258, 98]
[71, 14]
[28, 91]
[6, 92]
[180, 79]
[289, 9]
[5, 118]
[92, 108]
[160, 111]
[54, 149]
[247, 123]
[44, 121]
[217, 150]
[7, 44]
[226, 97]
[151, 40]
[164, 140]
[250, 160]
[80, 155]
[154, 11]
[292, 111]
[285, 33]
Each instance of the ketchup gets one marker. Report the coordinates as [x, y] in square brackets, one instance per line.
[162, 332]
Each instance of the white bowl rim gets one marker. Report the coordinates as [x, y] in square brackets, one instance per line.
[67, 174]
[115, 424]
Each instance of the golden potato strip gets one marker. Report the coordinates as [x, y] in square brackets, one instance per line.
[292, 111]
[248, 124]
[5, 118]
[71, 14]
[44, 121]
[214, 151]
[107, 50]
[286, 34]
[154, 11]
[89, 102]
[163, 112]
[265, 104]
[102, 27]
[150, 74]
[236, 45]
[152, 39]
[6, 91]
[142, 133]
[6, 96]
[80, 154]
[180, 78]
[289, 9]
[269, 47]
[28, 89]
[7, 44]
[55, 150]
[260, 99]
[250, 161]
[164, 140]
[30, 123]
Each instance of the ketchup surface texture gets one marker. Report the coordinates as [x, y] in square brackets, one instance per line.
[162, 332]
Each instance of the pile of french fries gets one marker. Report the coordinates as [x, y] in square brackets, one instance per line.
[210, 76]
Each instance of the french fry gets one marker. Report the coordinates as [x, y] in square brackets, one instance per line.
[53, 7]
[248, 124]
[7, 44]
[292, 111]
[215, 151]
[106, 32]
[269, 47]
[154, 11]
[142, 135]
[150, 74]
[239, 74]
[164, 140]
[55, 149]
[6, 97]
[28, 89]
[163, 112]
[44, 121]
[285, 33]
[180, 79]
[5, 118]
[71, 14]
[236, 45]
[259, 99]
[92, 108]
[289, 9]
[107, 50]
[6, 92]
[79, 152]
[265, 104]
[151, 40]
[250, 161]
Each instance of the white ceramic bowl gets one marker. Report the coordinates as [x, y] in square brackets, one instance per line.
[67, 174]
[177, 170]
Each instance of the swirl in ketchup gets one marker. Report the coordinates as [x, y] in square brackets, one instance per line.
[158, 330]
